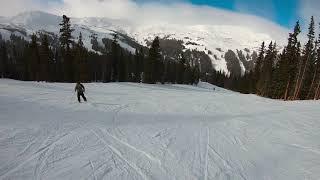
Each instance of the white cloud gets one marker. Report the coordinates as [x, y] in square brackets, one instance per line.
[148, 12]
[309, 8]
[95, 8]
[12, 7]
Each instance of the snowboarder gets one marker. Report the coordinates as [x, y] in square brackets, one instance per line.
[80, 91]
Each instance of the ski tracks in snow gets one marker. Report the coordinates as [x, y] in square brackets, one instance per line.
[91, 164]
[41, 154]
[204, 123]
[119, 155]
[207, 154]
[45, 154]
[27, 147]
[148, 156]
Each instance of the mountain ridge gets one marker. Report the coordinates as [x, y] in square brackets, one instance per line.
[214, 40]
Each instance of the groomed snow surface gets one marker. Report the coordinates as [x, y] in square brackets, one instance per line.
[137, 131]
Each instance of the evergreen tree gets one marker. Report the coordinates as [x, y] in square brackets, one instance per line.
[80, 62]
[58, 69]
[187, 79]
[44, 53]
[33, 59]
[80, 41]
[115, 52]
[313, 73]
[171, 71]
[130, 67]
[317, 72]
[141, 63]
[279, 76]
[138, 65]
[258, 64]
[288, 65]
[162, 71]
[196, 74]
[158, 67]
[123, 75]
[151, 71]
[265, 80]
[180, 69]
[166, 75]
[95, 43]
[65, 44]
[3, 61]
[304, 79]
[65, 33]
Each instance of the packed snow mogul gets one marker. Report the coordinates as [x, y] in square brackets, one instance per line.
[80, 91]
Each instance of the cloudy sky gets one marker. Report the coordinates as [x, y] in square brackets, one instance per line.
[283, 13]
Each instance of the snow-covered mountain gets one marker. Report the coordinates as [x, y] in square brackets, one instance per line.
[229, 48]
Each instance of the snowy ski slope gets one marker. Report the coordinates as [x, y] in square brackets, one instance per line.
[136, 131]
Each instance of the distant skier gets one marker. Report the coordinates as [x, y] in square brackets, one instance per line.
[80, 91]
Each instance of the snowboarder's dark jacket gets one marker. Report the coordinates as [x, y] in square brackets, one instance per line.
[79, 88]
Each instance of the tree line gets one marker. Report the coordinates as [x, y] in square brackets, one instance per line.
[293, 74]
[68, 60]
